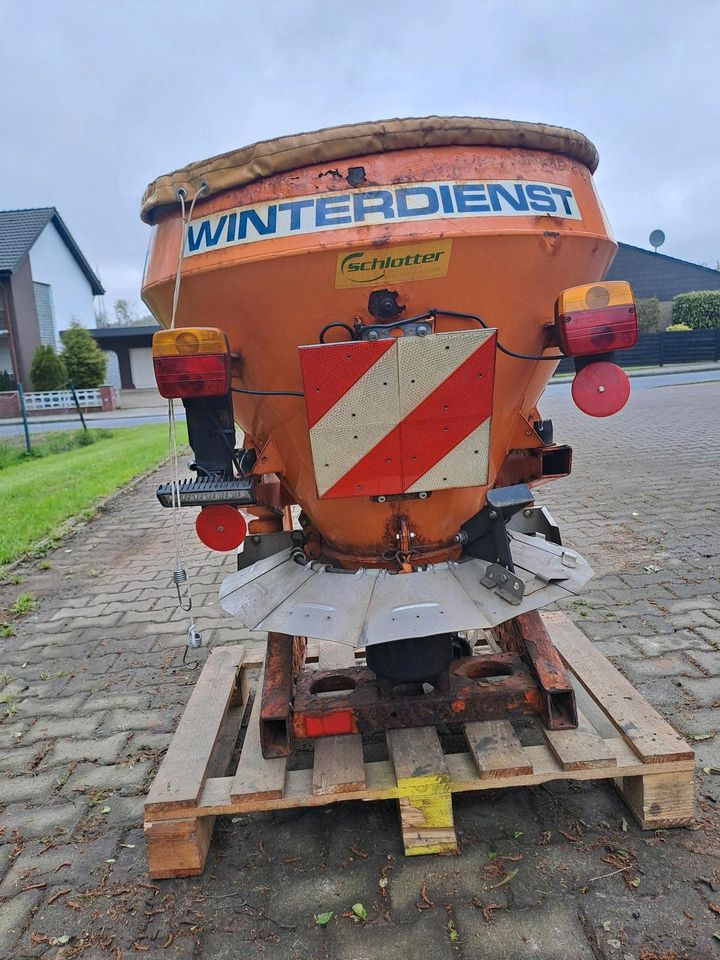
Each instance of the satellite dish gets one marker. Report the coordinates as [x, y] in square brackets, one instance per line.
[657, 239]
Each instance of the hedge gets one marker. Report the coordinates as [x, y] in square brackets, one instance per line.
[648, 315]
[699, 310]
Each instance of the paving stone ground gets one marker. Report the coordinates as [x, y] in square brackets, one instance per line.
[92, 688]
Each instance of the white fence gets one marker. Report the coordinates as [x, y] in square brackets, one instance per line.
[61, 399]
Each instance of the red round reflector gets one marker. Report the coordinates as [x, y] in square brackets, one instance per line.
[221, 527]
[600, 389]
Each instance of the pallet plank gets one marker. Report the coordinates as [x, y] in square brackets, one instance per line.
[255, 776]
[185, 767]
[650, 736]
[381, 783]
[496, 750]
[423, 781]
[338, 765]
[579, 749]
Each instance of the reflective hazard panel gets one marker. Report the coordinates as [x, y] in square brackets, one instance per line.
[401, 415]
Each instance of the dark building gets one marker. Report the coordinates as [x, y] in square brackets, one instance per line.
[129, 354]
[657, 275]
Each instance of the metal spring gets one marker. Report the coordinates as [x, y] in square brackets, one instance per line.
[179, 578]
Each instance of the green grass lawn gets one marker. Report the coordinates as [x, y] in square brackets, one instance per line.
[37, 495]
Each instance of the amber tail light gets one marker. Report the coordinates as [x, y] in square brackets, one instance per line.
[191, 362]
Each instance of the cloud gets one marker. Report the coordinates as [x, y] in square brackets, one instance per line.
[98, 99]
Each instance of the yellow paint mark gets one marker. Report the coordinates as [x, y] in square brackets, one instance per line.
[448, 847]
[416, 261]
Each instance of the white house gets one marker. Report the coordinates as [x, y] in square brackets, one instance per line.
[46, 284]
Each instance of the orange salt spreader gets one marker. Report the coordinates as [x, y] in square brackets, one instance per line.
[379, 307]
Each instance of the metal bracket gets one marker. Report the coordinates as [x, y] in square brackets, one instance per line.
[536, 520]
[506, 584]
[486, 532]
[257, 546]
[381, 331]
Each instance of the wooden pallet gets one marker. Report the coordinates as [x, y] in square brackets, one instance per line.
[620, 737]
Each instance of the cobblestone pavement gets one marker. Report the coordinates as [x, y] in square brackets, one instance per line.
[92, 689]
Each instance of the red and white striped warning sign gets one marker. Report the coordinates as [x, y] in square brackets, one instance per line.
[400, 415]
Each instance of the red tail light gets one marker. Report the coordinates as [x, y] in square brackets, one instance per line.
[598, 318]
[191, 362]
[200, 376]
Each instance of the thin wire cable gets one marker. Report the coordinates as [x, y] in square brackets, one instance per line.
[180, 574]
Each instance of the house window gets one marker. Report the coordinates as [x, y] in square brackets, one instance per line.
[44, 308]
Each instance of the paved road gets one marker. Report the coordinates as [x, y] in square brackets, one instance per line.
[554, 389]
[44, 426]
[93, 689]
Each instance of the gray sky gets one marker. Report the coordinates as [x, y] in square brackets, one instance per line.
[100, 97]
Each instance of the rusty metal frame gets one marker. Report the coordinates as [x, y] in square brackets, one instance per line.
[527, 678]
[284, 660]
[483, 687]
[526, 635]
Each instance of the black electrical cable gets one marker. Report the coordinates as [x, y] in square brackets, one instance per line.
[268, 393]
[527, 356]
[501, 348]
[430, 315]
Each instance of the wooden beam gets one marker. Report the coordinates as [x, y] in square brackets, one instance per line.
[660, 800]
[649, 735]
[338, 765]
[186, 765]
[257, 777]
[496, 750]
[423, 782]
[579, 749]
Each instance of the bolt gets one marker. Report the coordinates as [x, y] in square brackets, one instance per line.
[373, 335]
[601, 389]
[381, 499]
[527, 513]
[422, 496]
[493, 514]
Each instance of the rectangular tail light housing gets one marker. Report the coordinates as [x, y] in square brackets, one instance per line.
[596, 318]
[191, 362]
